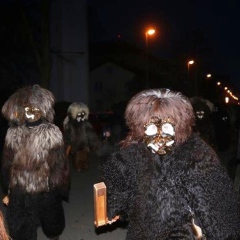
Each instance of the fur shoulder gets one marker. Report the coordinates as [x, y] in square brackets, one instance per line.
[45, 136]
[65, 122]
[51, 133]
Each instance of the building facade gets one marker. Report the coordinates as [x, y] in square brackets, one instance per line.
[109, 84]
[69, 50]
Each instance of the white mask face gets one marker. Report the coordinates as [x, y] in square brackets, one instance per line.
[32, 114]
[81, 116]
[200, 114]
[159, 135]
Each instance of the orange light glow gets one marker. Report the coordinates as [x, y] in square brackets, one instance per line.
[150, 31]
[191, 62]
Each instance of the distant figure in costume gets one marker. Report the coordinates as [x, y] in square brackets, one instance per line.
[222, 126]
[165, 180]
[35, 169]
[79, 135]
[204, 125]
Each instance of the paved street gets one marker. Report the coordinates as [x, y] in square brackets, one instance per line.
[79, 211]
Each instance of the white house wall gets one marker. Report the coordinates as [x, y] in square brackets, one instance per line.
[69, 45]
[113, 79]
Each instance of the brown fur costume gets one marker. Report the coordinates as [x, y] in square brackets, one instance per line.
[79, 135]
[35, 171]
[162, 104]
[162, 196]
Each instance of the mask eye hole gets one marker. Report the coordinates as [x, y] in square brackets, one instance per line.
[167, 128]
[36, 110]
[151, 129]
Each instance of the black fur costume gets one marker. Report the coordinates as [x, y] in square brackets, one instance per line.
[204, 124]
[35, 170]
[79, 135]
[158, 194]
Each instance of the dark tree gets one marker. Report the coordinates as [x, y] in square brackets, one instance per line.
[24, 40]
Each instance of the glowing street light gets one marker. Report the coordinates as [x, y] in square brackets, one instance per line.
[188, 65]
[190, 62]
[148, 33]
[209, 75]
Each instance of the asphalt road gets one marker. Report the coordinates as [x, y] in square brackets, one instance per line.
[79, 211]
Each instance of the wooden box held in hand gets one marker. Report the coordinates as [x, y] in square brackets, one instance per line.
[100, 204]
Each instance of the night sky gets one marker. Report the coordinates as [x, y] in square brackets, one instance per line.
[191, 28]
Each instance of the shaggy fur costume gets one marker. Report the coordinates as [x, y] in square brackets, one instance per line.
[204, 124]
[222, 126]
[157, 194]
[80, 135]
[35, 171]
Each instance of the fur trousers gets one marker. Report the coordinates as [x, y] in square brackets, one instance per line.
[80, 160]
[26, 212]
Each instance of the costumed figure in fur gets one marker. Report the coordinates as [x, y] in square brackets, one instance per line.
[165, 180]
[222, 126]
[79, 135]
[204, 125]
[35, 169]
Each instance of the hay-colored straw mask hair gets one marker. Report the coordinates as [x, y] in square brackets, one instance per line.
[78, 111]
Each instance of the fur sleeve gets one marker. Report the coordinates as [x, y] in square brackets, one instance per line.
[113, 172]
[215, 203]
[59, 178]
[93, 139]
[213, 199]
[66, 131]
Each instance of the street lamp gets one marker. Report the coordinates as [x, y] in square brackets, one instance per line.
[148, 33]
[226, 99]
[208, 76]
[188, 65]
[190, 62]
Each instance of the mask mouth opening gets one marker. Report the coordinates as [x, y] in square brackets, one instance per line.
[81, 116]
